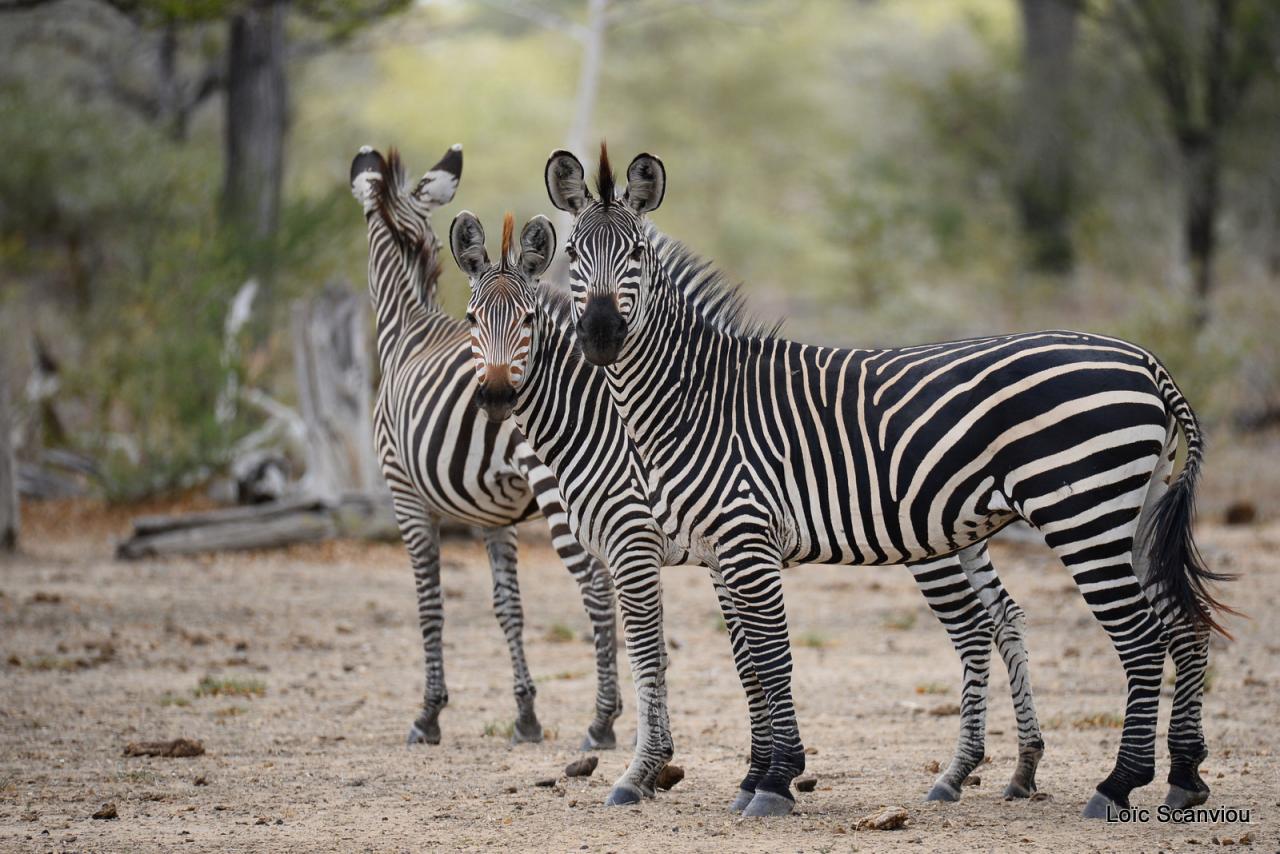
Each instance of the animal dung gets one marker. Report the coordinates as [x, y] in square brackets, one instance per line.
[107, 813]
[584, 767]
[889, 818]
[178, 748]
[669, 776]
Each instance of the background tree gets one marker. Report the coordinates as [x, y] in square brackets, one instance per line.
[1203, 57]
[1044, 131]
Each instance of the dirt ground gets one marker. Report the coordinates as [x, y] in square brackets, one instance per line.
[102, 653]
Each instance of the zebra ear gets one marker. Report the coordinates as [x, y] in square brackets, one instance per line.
[537, 247]
[466, 239]
[646, 183]
[567, 182]
[438, 186]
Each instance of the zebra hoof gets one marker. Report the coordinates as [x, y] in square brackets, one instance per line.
[1180, 798]
[1016, 791]
[624, 794]
[741, 800]
[767, 804]
[1100, 806]
[606, 740]
[423, 734]
[526, 732]
[942, 792]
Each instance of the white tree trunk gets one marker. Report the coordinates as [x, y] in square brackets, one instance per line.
[335, 393]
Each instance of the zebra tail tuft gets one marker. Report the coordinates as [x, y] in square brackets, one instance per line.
[1176, 564]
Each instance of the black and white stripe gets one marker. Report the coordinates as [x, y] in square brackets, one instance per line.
[443, 459]
[564, 408]
[763, 452]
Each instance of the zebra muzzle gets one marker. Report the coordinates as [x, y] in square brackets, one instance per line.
[496, 399]
[601, 331]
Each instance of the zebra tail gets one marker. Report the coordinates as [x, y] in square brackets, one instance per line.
[1175, 560]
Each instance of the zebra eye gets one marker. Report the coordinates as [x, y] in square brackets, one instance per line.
[637, 252]
[571, 252]
[471, 318]
[529, 316]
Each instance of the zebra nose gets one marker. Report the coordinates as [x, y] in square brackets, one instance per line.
[601, 331]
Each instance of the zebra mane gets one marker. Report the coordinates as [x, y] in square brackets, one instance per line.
[605, 179]
[388, 191]
[716, 301]
[421, 260]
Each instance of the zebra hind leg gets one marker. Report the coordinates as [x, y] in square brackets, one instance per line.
[1093, 532]
[501, 545]
[1010, 621]
[956, 605]
[1189, 649]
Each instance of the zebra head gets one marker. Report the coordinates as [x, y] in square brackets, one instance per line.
[380, 186]
[611, 260]
[503, 303]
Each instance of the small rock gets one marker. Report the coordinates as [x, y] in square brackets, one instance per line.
[546, 783]
[945, 710]
[932, 766]
[178, 748]
[510, 790]
[202, 780]
[1240, 513]
[107, 813]
[669, 776]
[584, 767]
[1247, 839]
[889, 818]
[806, 783]
[262, 819]
[972, 780]
[1042, 796]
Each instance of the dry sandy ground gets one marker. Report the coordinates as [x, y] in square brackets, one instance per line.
[100, 653]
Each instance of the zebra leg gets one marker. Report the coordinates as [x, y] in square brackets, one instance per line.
[501, 545]
[1096, 543]
[639, 589]
[753, 577]
[1189, 650]
[757, 706]
[956, 605]
[421, 534]
[596, 587]
[1010, 621]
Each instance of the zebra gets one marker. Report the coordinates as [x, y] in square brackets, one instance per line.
[762, 453]
[443, 460]
[527, 364]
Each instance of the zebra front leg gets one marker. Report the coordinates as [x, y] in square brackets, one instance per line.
[956, 605]
[753, 576]
[596, 587]
[1010, 622]
[639, 589]
[421, 534]
[501, 545]
[757, 706]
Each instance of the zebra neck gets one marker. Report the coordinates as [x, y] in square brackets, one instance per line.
[674, 372]
[401, 316]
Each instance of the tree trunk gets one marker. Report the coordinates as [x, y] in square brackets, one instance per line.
[1044, 162]
[256, 119]
[8, 470]
[1203, 193]
[334, 371]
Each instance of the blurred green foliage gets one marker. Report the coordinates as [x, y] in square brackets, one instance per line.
[850, 162]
